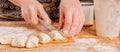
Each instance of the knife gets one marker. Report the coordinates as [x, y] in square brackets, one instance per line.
[49, 26]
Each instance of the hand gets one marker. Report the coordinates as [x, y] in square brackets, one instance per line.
[32, 10]
[71, 17]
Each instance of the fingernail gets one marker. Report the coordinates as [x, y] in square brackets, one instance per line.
[71, 33]
[48, 22]
[32, 21]
[59, 27]
[66, 32]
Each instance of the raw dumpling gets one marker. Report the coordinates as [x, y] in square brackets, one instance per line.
[55, 35]
[19, 41]
[6, 39]
[44, 38]
[32, 41]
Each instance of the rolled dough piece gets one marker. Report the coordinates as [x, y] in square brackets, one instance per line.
[44, 38]
[6, 39]
[32, 41]
[19, 41]
[55, 35]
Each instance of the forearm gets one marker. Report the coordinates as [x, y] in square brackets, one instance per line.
[69, 0]
[16, 2]
[72, 2]
[20, 2]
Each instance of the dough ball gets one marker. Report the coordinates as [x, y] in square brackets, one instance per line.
[44, 38]
[6, 39]
[32, 41]
[19, 41]
[55, 35]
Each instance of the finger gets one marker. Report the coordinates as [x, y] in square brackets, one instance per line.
[28, 17]
[75, 24]
[67, 23]
[33, 15]
[61, 19]
[25, 15]
[42, 14]
[81, 21]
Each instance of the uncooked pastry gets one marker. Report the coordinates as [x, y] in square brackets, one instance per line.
[19, 41]
[6, 39]
[32, 41]
[44, 38]
[55, 35]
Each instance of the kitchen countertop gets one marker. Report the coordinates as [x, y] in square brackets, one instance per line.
[73, 46]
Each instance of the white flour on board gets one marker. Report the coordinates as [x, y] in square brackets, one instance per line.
[85, 43]
[104, 48]
[88, 41]
[14, 31]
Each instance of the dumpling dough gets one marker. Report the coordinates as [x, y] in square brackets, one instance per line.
[19, 41]
[55, 35]
[6, 39]
[32, 41]
[44, 38]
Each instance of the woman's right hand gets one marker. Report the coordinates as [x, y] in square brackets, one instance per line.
[71, 17]
[32, 10]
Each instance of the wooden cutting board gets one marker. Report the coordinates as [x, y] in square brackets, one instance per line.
[63, 46]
